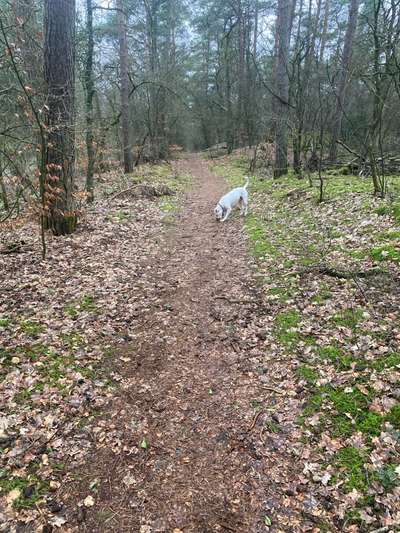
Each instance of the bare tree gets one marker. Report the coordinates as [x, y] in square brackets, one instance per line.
[124, 87]
[281, 100]
[89, 86]
[343, 77]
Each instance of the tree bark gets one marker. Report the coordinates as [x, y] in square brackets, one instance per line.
[124, 87]
[282, 87]
[89, 82]
[3, 190]
[347, 53]
[59, 64]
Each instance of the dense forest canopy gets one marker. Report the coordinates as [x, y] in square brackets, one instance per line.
[90, 84]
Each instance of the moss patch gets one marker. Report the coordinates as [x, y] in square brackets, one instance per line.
[285, 326]
[348, 317]
[351, 461]
[385, 253]
[260, 245]
[31, 489]
[32, 328]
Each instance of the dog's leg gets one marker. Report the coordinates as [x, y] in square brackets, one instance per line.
[228, 212]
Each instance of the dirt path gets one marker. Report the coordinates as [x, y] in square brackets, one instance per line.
[182, 448]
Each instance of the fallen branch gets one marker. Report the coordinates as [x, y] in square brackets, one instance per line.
[15, 248]
[341, 143]
[342, 274]
[145, 190]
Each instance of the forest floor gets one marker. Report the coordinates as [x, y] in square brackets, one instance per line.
[163, 372]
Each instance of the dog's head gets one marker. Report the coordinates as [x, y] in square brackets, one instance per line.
[219, 212]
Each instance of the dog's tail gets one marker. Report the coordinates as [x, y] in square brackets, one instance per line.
[247, 182]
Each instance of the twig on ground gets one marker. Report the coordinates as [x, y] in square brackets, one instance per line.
[255, 419]
[247, 302]
[342, 274]
[277, 391]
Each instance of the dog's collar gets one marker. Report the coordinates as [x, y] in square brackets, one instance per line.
[221, 206]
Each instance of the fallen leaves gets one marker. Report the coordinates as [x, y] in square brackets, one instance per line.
[12, 496]
[58, 333]
[88, 501]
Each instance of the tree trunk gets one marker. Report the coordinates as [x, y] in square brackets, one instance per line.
[59, 64]
[241, 74]
[3, 190]
[89, 82]
[101, 141]
[347, 53]
[229, 127]
[282, 87]
[324, 30]
[124, 87]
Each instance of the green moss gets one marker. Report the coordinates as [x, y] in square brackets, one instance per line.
[32, 328]
[386, 253]
[256, 404]
[85, 304]
[4, 322]
[393, 210]
[322, 296]
[389, 360]
[352, 402]
[396, 212]
[288, 319]
[334, 354]
[73, 340]
[310, 340]
[389, 236]
[351, 461]
[282, 292]
[5, 357]
[316, 401]
[169, 206]
[88, 304]
[344, 413]
[260, 245]
[371, 424]
[308, 374]
[394, 417]
[348, 317]
[383, 210]
[352, 413]
[285, 324]
[71, 310]
[32, 489]
[120, 217]
[23, 396]
[34, 352]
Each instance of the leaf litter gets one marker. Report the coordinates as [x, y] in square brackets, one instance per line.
[132, 374]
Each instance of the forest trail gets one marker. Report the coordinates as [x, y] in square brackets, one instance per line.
[191, 451]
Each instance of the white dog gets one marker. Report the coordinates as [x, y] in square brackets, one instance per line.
[230, 200]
